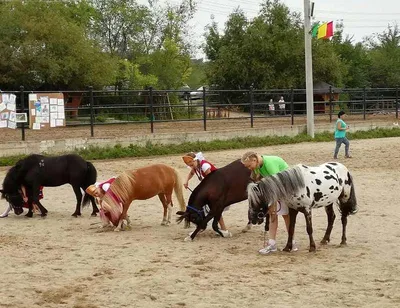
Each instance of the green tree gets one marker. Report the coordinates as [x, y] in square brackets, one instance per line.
[384, 54]
[43, 47]
[170, 65]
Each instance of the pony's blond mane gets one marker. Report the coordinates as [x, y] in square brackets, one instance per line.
[123, 188]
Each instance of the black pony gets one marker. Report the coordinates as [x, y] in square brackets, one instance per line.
[218, 190]
[38, 170]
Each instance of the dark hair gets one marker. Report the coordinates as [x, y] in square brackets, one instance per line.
[341, 112]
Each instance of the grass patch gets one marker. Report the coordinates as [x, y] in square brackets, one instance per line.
[117, 151]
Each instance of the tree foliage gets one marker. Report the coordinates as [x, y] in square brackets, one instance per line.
[70, 44]
[268, 52]
[42, 46]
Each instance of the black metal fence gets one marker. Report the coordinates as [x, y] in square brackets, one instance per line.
[92, 107]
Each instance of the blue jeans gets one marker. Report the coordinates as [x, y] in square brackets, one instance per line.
[339, 142]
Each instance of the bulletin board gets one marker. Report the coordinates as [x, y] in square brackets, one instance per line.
[8, 111]
[46, 110]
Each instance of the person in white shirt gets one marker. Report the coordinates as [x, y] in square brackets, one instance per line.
[282, 106]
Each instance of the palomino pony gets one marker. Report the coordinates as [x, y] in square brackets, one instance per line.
[304, 188]
[219, 189]
[141, 184]
[38, 170]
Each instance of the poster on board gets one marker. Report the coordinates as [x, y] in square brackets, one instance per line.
[46, 110]
[8, 110]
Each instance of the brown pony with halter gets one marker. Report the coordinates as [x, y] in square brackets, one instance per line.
[140, 184]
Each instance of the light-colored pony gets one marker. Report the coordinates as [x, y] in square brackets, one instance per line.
[304, 188]
[141, 184]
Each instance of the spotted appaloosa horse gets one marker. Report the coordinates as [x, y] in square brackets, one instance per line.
[304, 188]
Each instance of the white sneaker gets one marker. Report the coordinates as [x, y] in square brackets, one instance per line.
[225, 233]
[268, 249]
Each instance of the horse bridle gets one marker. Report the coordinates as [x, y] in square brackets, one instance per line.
[200, 212]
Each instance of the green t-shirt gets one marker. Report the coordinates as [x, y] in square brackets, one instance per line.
[340, 133]
[271, 165]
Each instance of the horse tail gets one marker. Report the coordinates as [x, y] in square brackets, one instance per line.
[179, 191]
[352, 202]
[90, 178]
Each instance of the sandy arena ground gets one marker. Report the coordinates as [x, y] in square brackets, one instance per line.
[61, 261]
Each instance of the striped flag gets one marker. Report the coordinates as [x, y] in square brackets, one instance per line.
[325, 30]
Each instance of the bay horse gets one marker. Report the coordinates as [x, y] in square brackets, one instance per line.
[219, 189]
[304, 188]
[39, 170]
[141, 184]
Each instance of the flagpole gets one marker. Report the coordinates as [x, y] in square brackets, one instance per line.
[309, 75]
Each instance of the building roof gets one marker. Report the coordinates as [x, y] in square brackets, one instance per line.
[321, 87]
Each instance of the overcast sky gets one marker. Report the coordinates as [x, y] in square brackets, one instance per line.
[360, 17]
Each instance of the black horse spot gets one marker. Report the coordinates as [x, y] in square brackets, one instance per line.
[304, 166]
[329, 177]
[331, 187]
[326, 172]
[308, 192]
[340, 181]
[317, 189]
[348, 180]
[333, 164]
[312, 204]
[330, 168]
[299, 198]
[317, 196]
[336, 187]
[318, 181]
[313, 172]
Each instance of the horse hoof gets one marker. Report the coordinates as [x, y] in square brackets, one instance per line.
[188, 239]
[343, 244]
[247, 228]
[44, 215]
[287, 249]
[312, 249]
[76, 215]
[93, 214]
[117, 229]
[324, 242]
[164, 223]
[30, 215]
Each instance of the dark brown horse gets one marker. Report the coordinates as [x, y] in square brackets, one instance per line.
[219, 189]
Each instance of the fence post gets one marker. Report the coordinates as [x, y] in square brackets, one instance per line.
[251, 107]
[188, 105]
[330, 104]
[397, 103]
[151, 110]
[22, 100]
[91, 102]
[364, 103]
[292, 105]
[204, 110]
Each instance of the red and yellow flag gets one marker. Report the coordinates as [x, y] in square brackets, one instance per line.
[325, 30]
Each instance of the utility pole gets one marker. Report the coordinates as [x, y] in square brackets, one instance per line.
[309, 75]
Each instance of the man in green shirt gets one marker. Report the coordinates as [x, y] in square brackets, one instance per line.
[262, 166]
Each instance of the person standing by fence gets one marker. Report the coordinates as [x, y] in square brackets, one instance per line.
[340, 135]
[271, 107]
[282, 106]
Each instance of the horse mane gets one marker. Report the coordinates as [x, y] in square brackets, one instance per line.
[279, 186]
